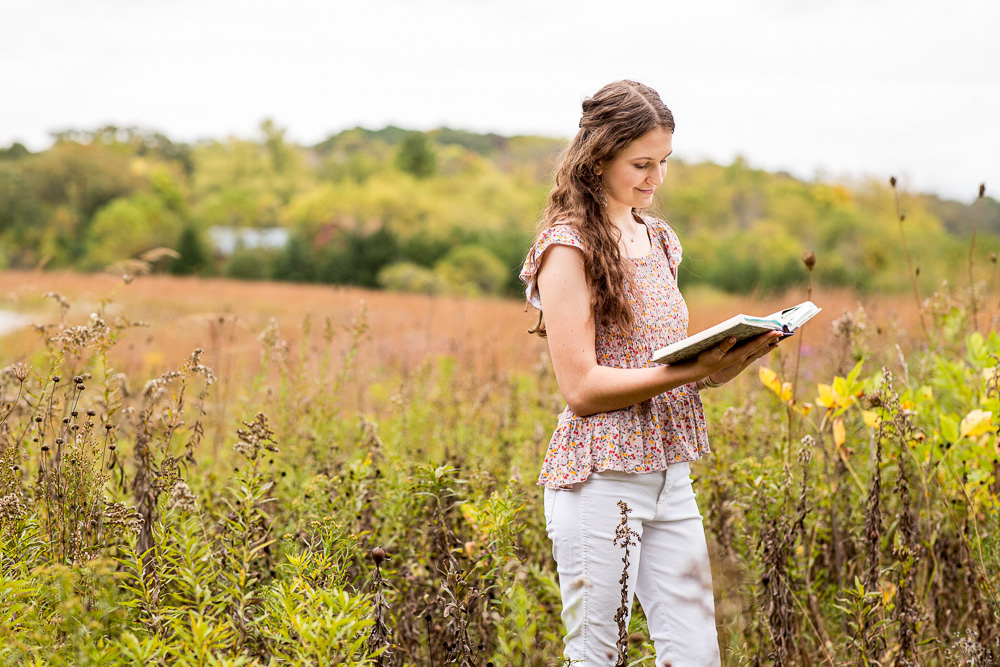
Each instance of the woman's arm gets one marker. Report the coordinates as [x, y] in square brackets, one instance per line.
[588, 387]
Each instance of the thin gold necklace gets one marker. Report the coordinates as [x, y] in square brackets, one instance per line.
[634, 232]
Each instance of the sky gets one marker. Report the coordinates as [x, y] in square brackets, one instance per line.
[839, 90]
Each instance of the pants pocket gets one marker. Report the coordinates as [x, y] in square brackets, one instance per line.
[548, 503]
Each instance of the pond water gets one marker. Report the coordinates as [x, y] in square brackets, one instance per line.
[10, 321]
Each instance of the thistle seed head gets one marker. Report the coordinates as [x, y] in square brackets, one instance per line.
[20, 371]
[809, 259]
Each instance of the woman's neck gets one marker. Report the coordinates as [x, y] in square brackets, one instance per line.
[622, 217]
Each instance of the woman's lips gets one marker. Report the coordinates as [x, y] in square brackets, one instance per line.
[646, 192]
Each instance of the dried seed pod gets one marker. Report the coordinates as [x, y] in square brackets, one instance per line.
[809, 259]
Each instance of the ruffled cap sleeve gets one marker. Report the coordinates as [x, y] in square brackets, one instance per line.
[558, 234]
[671, 244]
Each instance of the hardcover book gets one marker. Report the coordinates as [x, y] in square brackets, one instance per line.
[740, 327]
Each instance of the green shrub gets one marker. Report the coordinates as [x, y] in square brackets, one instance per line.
[410, 277]
[472, 270]
[250, 264]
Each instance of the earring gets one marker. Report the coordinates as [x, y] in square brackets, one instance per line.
[600, 189]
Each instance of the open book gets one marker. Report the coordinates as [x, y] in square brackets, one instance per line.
[740, 327]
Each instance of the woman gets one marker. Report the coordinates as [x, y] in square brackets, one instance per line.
[605, 279]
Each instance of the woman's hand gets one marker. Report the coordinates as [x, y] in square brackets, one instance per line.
[724, 362]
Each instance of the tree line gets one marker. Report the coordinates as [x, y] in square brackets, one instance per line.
[445, 211]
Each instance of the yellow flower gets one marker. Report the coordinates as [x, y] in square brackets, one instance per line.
[976, 423]
[831, 399]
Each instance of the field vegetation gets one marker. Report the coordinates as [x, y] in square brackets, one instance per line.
[218, 472]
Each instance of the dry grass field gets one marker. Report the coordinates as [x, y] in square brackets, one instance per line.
[225, 317]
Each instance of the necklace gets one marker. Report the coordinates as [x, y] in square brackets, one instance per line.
[635, 232]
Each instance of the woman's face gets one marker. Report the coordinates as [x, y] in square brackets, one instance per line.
[632, 176]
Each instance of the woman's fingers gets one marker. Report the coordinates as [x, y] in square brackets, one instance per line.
[730, 354]
[726, 345]
[755, 348]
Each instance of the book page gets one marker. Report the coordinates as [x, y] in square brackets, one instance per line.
[741, 331]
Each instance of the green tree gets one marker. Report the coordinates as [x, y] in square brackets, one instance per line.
[23, 218]
[194, 259]
[242, 183]
[15, 151]
[472, 270]
[75, 181]
[294, 262]
[410, 277]
[415, 156]
[128, 227]
[357, 259]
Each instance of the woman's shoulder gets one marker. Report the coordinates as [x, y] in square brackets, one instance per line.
[561, 233]
[558, 233]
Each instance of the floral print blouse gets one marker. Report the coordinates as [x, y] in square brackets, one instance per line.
[649, 436]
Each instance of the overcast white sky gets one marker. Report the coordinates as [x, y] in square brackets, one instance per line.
[840, 88]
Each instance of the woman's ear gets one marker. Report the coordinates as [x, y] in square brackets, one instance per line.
[598, 169]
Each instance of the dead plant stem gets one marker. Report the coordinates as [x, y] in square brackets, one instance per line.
[909, 262]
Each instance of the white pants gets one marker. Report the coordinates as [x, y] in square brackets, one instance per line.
[668, 570]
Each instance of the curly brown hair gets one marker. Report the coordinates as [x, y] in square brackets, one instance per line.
[618, 114]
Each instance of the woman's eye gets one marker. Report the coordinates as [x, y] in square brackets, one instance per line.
[641, 166]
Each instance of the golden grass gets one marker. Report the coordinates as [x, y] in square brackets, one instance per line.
[225, 317]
